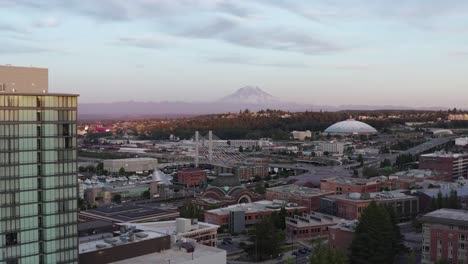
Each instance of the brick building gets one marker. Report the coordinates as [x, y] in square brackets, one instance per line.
[350, 206]
[341, 185]
[191, 177]
[303, 196]
[445, 236]
[455, 164]
[310, 225]
[237, 217]
[341, 235]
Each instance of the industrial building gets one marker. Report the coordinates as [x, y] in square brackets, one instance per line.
[133, 165]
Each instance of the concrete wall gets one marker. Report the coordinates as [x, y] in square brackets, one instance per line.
[24, 79]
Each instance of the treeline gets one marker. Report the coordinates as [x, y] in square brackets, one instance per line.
[275, 124]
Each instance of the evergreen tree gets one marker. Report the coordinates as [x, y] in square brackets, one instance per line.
[453, 201]
[374, 237]
[267, 239]
[326, 255]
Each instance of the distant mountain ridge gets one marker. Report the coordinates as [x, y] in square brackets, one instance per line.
[248, 97]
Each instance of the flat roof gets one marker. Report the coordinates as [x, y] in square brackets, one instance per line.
[377, 196]
[102, 244]
[300, 190]
[93, 224]
[38, 94]
[129, 212]
[259, 206]
[447, 216]
[349, 180]
[442, 154]
[174, 255]
[168, 227]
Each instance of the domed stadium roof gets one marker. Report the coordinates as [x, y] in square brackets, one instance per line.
[350, 126]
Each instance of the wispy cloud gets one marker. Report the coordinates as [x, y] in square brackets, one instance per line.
[47, 22]
[238, 59]
[7, 48]
[279, 38]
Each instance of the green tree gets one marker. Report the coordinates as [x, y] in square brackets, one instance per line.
[267, 239]
[122, 171]
[369, 172]
[117, 198]
[385, 163]
[191, 211]
[453, 202]
[100, 168]
[360, 159]
[374, 237]
[326, 255]
[146, 194]
[260, 188]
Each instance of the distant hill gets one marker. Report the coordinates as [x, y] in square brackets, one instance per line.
[248, 97]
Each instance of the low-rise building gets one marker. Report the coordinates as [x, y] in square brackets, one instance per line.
[301, 195]
[350, 206]
[149, 243]
[191, 177]
[301, 135]
[445, 236]
[411, 178]
[310, 225]
[130, 165]
[201, 232]
[103, 194]
[345, 185]
[237, 217]
[341, 235]
[332, 147]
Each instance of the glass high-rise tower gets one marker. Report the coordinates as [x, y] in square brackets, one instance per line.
[38, 170]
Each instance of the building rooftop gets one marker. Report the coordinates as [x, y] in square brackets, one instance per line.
[350, 126]
[116, 241]
[314, 218]
[462, 191]
[170, 227]
[93, 224]
[259, 206]
[351, 181]
[299, 190]
[443, 154]
[347, 225]
[130, 212]
[176, 255]
[419, 173]
[447, 216]
[385, 195]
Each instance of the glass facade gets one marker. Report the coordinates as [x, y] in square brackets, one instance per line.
[38, 179]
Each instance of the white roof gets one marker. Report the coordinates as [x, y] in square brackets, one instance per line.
[350, 126]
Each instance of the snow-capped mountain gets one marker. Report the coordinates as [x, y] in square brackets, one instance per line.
[249, 95]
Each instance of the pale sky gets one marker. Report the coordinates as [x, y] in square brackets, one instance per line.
[408, 52]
